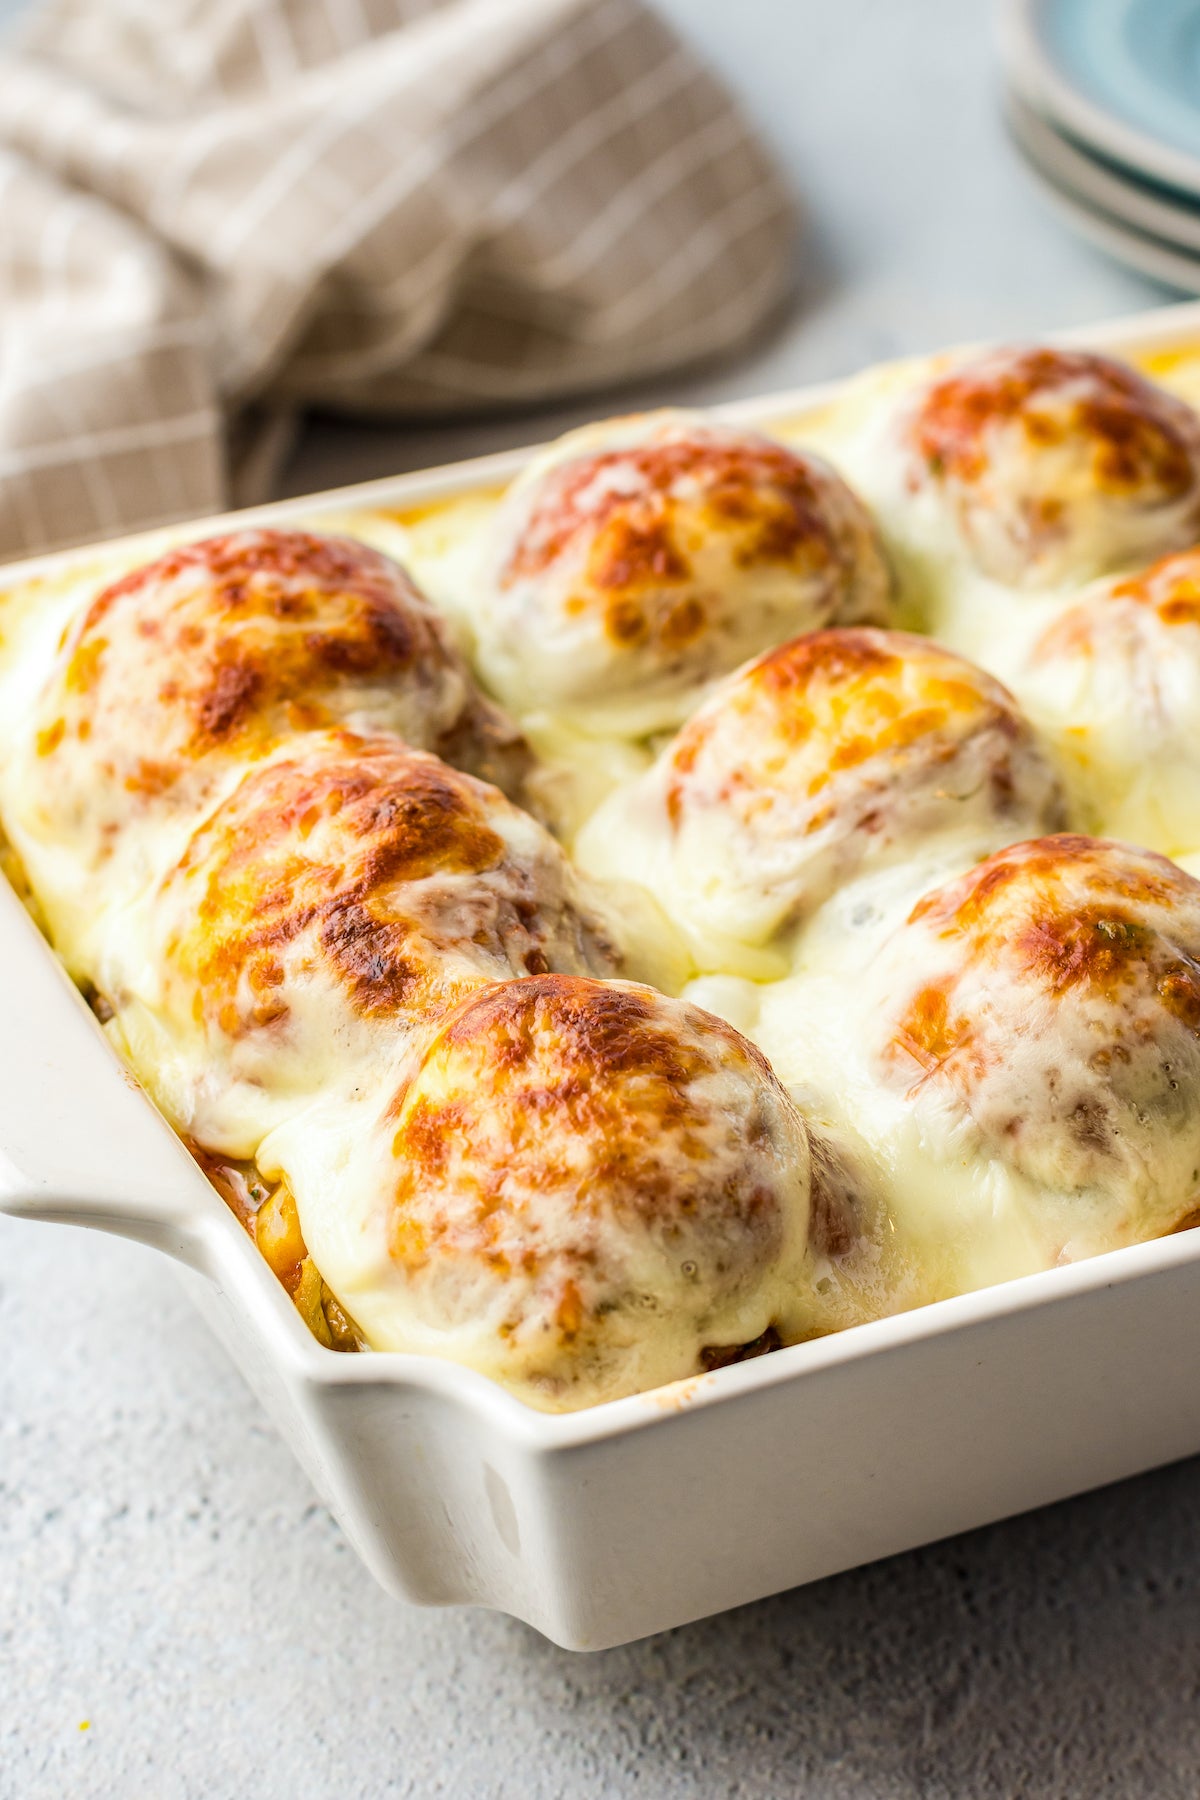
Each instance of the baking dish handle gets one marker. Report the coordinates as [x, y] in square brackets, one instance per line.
[80, 1143]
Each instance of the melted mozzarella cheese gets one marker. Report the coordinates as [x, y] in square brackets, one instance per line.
[946, 1222]
[1018, 1086]
[840, 751]
[1113, 682]
[345, 893]
[636, 561]
[651, 1209]
[1036, 467]
[1039, 1019]
[177, 675]
[959, 1221]
[287, 989]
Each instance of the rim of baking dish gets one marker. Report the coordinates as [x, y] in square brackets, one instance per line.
[210, 1239]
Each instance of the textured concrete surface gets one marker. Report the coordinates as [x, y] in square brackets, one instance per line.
[166, 1577]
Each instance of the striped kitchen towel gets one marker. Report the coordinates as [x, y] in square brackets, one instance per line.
[218, 211]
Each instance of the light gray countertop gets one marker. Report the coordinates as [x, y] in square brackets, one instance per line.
[165, 1573]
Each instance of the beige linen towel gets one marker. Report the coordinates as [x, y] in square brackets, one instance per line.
[395, 206]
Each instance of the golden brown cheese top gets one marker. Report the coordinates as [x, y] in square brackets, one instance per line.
[346, 891]
[214, 652]
[1055, 463]
[1051, 997]
[325, 943]
[886, 706]
[639, 559]
[1166, 594]
[586, 1186]
[834, 753]
[630, 511]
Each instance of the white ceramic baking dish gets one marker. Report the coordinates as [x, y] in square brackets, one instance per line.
[605, 1525]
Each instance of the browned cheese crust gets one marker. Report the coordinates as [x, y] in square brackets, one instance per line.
[1056, 462]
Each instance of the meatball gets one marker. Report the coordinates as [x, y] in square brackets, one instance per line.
[346, 892]
[1039, 467]
[637, 560]
[580, 1188]
[1114, 684]
[835, 754]
[183, 671]
[1041, 1016]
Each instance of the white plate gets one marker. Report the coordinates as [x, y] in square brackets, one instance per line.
[605, 1525]
[1098, 186]
[1175, 268]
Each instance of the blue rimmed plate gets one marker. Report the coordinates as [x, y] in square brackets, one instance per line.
[1122, 77]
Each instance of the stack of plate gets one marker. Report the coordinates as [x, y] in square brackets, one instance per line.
[1104, 103]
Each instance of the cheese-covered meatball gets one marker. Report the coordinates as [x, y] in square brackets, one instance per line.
[1042, 466]
[1041, 1018]
[345, 892]
[581, 1189]
[838, 752]
[1114, 684]
[202, 660]
[637, 560]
